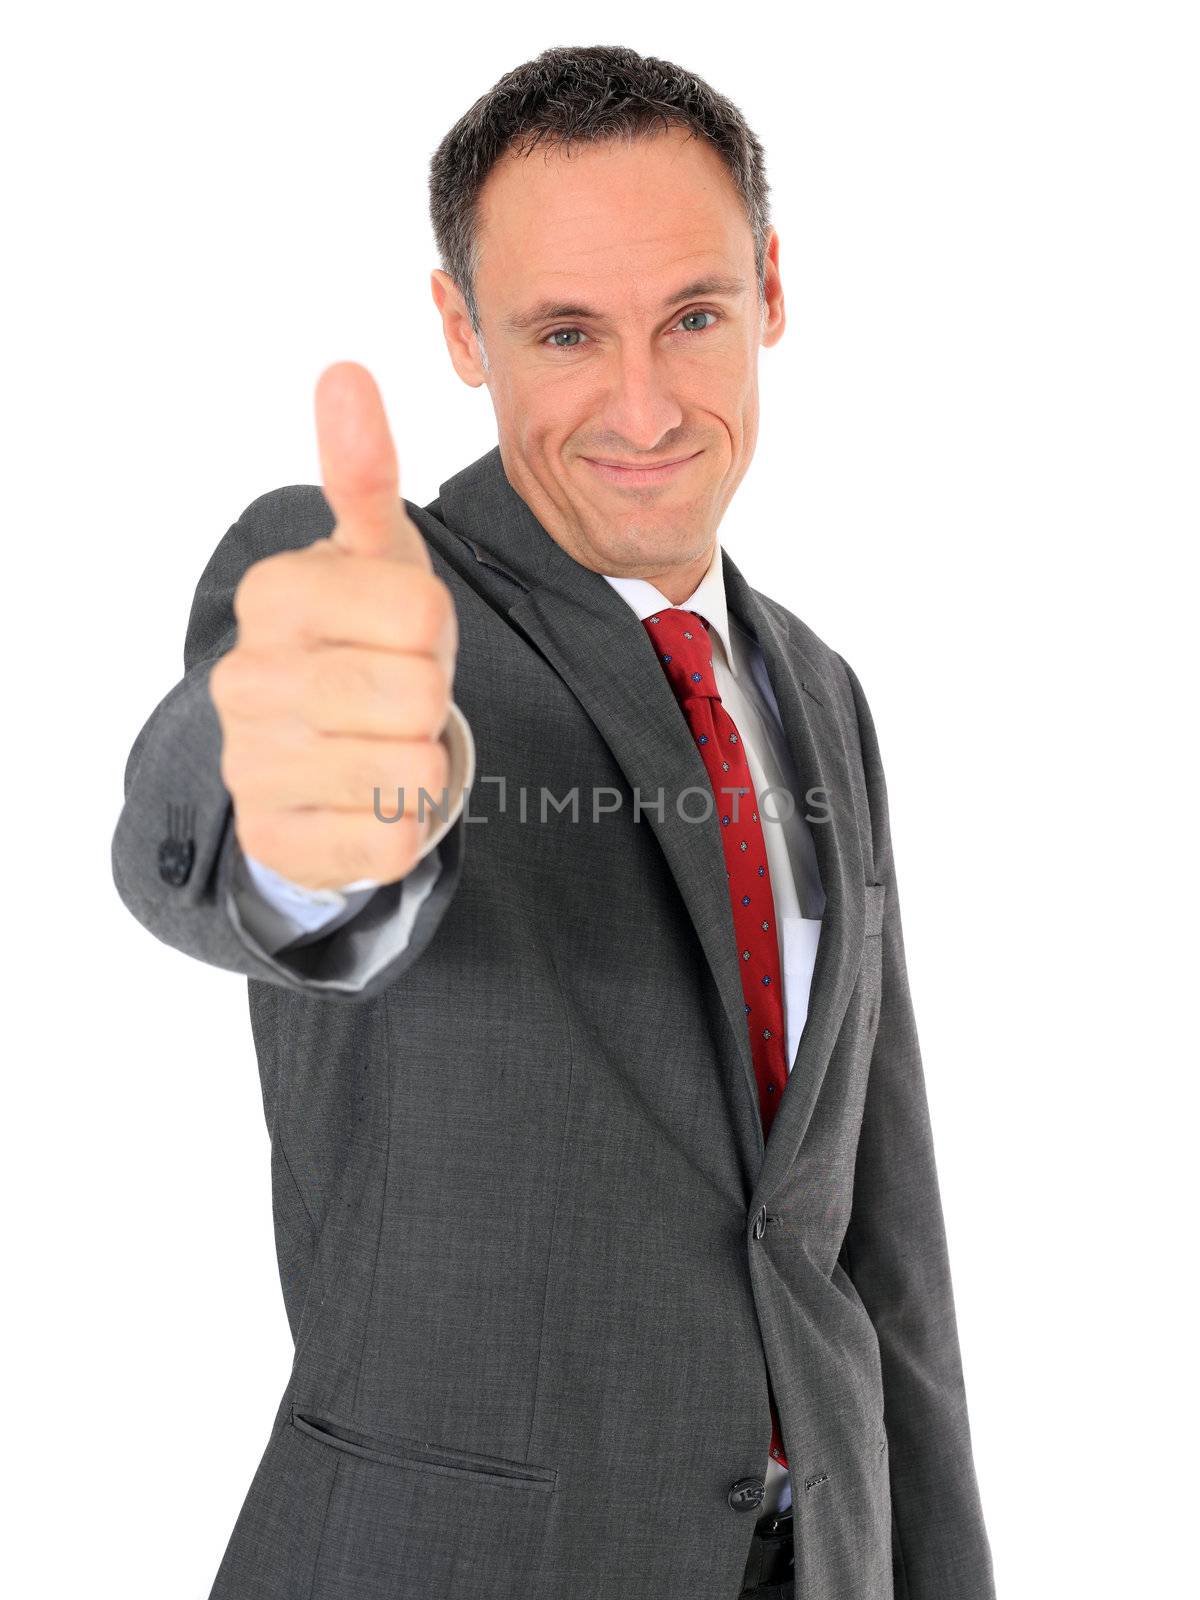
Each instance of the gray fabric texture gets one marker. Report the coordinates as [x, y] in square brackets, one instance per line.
[537, 1262]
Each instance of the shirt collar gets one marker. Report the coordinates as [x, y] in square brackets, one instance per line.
[708, 598]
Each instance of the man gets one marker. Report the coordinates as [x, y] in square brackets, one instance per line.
[585, 1304]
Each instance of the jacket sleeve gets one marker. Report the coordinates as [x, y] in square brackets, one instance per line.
[176, 860]
[896, 1255]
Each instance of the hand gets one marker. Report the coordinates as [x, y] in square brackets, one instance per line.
[341, 678]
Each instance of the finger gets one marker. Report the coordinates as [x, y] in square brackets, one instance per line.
[379, 778]
[313, 596]
[340, 690]
[321, 849]
[359, 471]
[374, 694]
[384, 606]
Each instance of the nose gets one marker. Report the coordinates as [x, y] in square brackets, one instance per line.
[639, 407]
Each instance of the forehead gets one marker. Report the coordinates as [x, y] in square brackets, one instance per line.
[626, 215]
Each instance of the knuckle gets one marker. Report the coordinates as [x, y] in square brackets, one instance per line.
[255, 583]
[428, 697]
[337, 680]
[422, 769]
[434, 763]
[426, 788]
[272, 586]
[368, 777]
[230, 682]
[428, 604]
[364, 782]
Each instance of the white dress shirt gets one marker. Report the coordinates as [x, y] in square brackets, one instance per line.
[271, 905]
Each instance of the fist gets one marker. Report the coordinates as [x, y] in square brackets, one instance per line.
[341, 679]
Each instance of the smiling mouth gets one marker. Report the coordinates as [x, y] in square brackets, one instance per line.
[635, 475]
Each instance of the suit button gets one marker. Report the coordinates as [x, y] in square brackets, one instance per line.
[178, 850]
[760, 1222]
[747, 1494]
[175, 857]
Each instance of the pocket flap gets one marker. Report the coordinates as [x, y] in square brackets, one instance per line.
[875, 894]
[420, 1454]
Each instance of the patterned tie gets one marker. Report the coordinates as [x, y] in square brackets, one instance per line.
[686, 654]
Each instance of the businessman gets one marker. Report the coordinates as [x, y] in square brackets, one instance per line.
[557, 859]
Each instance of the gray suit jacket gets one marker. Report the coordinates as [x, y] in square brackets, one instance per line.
[539, 1267]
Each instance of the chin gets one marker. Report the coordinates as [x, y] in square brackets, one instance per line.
[650, 543]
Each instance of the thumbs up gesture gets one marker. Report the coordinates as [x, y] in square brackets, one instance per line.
[341, 678]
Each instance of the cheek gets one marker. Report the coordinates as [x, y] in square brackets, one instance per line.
[553, 430]
[749, 424]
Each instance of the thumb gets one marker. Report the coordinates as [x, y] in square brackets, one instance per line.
[359, 472]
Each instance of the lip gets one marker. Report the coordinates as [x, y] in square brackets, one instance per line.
[639, 477]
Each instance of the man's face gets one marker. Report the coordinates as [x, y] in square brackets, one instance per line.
[622, 323]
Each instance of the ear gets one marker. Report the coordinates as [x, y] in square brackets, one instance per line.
[773, 318]
[456, 326]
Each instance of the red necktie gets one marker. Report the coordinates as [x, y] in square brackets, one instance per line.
[686, 655]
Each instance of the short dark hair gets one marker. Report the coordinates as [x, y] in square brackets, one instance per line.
[588, 94]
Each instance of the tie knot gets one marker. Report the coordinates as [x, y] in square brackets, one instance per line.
[684, 652]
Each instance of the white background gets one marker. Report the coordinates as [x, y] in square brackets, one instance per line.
[976, 479]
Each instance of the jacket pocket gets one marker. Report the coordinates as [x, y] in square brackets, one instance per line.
[423, 1457]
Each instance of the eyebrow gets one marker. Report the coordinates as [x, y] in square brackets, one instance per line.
[553, 310]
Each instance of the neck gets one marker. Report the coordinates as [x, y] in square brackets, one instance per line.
[676, 583]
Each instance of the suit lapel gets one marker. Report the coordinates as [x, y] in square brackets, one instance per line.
[600, 649]
[814, 735]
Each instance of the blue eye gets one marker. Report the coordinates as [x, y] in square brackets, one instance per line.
[552, 337]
